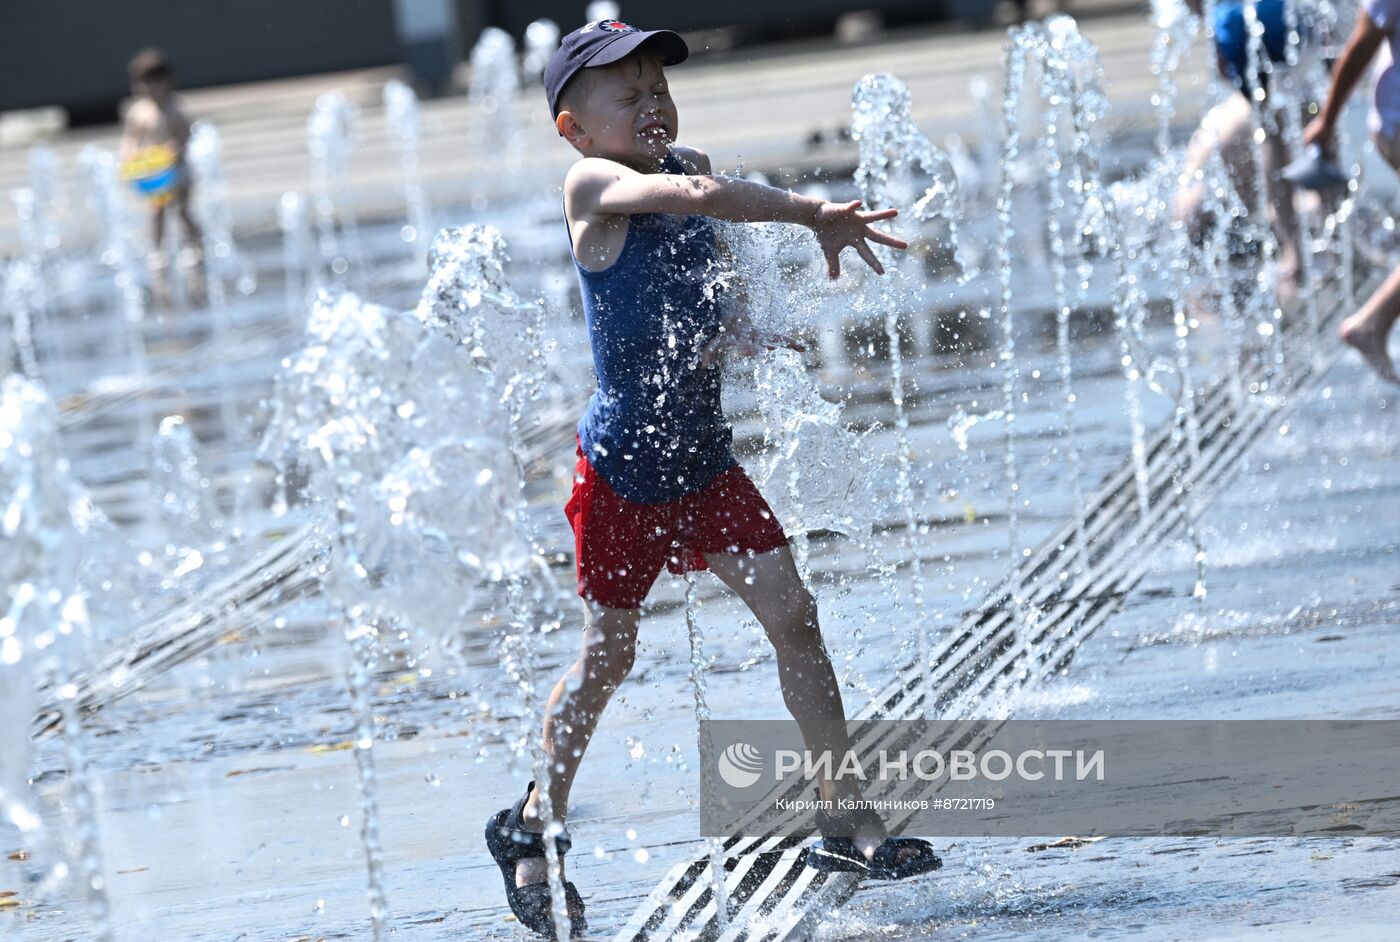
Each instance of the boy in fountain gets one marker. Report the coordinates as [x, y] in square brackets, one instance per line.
[154, 136]
[1229, 129]
[656, 482]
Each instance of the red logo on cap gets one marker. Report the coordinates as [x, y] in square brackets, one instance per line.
[617, 26]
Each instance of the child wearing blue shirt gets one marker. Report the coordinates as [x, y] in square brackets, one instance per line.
[656, 480]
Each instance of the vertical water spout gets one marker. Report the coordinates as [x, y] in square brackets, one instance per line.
[331, 138]
[1014, 70]
[402, 116]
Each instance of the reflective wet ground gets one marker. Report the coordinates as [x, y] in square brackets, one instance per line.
[228, 800]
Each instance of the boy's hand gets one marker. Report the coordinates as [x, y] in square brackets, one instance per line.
[839, 225]
[740, 335]
[1318, 132]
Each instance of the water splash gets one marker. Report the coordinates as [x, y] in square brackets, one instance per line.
[889, 141]
[1174, 37]
[187, 506]
[817, 472]
[960, 423]
[1069, 79]
[469, 300]
[129, 278]
[988, 139]
[44, 631]
[1221, 204]
[1224, 207]
[429, 519]
[1122, 222]
[1292, 95]
[116, 246]
[1172, 41]
[894, 154]
[376, 400]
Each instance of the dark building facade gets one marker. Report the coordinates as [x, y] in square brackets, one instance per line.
[73, 53]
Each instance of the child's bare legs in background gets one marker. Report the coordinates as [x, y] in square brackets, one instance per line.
[194, 236]
[180, 206]
[1283, 216]
[1226, 127]
[1369, 328]
[1229, 126]
[191, 249]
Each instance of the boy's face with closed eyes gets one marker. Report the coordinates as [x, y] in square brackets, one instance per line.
[622, 111]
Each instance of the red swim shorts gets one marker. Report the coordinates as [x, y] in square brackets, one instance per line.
[620, 545]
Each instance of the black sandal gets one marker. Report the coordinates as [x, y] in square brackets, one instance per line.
[836, 852]
[510, 843]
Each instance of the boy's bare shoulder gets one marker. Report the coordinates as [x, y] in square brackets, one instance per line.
[591, 172]
[585, 182]
[596, 172]
[589, 178]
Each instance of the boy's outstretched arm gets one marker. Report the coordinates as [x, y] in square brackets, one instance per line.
[596, 187]
[1366, 38]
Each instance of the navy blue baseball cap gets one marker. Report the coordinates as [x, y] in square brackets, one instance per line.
[602, 42]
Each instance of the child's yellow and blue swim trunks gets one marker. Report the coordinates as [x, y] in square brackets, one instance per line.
[155, 173]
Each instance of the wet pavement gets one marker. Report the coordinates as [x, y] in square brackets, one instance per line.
[228, 799]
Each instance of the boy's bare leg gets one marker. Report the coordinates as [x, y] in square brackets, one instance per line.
[578, 700]
[157, 229]
[1282, 215]
[157, 261]
[1226, 127]
[194, 236]
[770, 586]
[193, 247]
[1230, 128]
[1369, 328]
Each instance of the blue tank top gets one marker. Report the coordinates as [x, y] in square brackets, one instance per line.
[654, 429]
[1232, 36]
